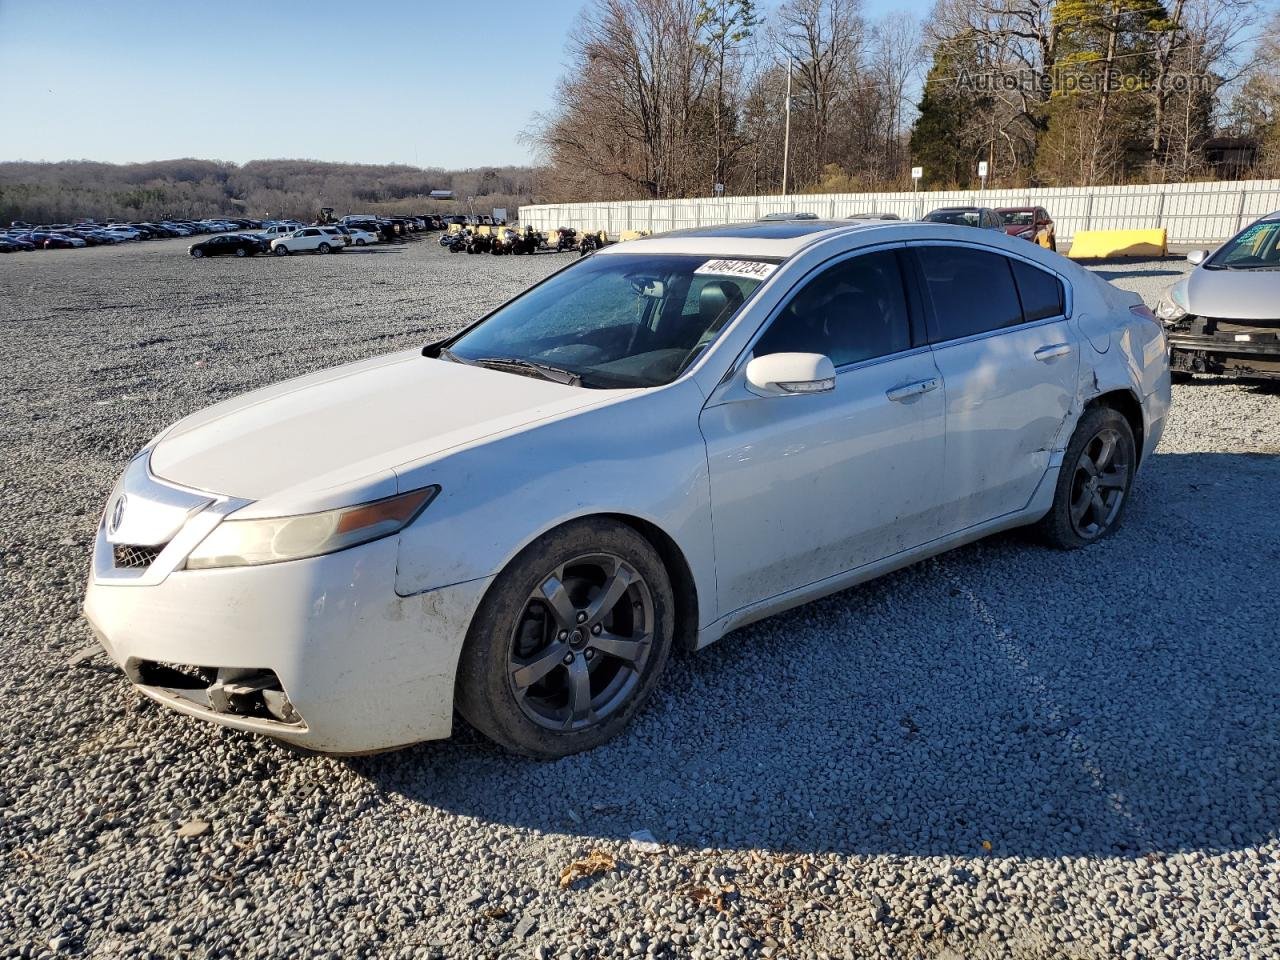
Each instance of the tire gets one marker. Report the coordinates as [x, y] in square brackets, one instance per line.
[516, 630]
[241, 252]
[1053, 243]
[359, 243]
[323, 248]
[281, 251]
[1064, 526]
[197, 254]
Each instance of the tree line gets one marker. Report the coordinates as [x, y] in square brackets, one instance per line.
[668, 98]
[60, 192]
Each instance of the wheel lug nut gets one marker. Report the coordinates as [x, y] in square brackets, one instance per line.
[582, 616]
[596, 629]
[568, 658]
[589, 654]
[564, 635]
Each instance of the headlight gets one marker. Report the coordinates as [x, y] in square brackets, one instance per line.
[1169, 311]
[238, 543]
[1027, 234]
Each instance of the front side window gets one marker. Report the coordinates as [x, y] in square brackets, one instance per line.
[853, 311]
[972, 291]
[618, 320]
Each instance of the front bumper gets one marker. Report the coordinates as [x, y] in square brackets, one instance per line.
[1198, 345]
[360, 668]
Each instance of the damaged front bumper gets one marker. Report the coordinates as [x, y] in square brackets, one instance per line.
[1226, 347]
[319, 652]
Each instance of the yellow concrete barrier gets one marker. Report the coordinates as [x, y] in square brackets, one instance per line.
[632, 234]
[1101, 244]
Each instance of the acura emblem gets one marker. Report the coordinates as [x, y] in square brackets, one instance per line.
[117, 513]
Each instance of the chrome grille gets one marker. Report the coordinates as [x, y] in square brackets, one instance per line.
[135, 556]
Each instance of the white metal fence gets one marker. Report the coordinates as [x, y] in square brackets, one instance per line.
[1191, 212]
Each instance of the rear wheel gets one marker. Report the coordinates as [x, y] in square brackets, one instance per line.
[1053, 243]
[359, 243]
[241, 252]
[1093, 485]
[323, 248]
[569, 641]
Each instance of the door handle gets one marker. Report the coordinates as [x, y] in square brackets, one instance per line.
[909, 390]
[1054, 350]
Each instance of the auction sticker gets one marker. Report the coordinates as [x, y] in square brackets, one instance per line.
[755, 269]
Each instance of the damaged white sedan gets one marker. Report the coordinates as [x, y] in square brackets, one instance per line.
[662, 442]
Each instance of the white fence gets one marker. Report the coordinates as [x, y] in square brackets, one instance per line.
[1191, 212]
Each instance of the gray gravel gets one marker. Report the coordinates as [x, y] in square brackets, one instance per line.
[1007, 751]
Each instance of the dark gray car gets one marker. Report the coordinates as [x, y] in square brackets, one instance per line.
[1224, 317]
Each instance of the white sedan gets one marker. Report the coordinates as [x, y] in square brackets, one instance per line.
[362, 237]
[668, 439]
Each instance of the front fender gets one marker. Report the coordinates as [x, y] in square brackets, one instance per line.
[641, 457]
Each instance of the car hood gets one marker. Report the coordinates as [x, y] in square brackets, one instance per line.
[1013, 229]
[305, 441]
[1233, 294]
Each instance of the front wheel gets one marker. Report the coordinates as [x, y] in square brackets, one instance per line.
[281, 251]
[569, 641]
[1093, 485]
[197, 254]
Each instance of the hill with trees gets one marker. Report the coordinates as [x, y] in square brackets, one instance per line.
[58, 192]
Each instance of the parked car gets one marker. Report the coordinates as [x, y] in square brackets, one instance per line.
[274, 230]
[875, 216]
[362, 237]
[226, 245]
[1224, 316]
[1030, 223]
[309, 239]
[982, 217]
[49, 240]
[792, 215]
[14, 245]
[670, 438]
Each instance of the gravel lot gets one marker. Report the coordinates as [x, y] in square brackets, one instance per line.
[1007, 751]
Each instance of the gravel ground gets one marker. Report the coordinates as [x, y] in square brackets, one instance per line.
[1006, 751]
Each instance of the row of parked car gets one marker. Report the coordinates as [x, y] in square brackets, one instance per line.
[1026, 223]
[285, 237]
[22, 236]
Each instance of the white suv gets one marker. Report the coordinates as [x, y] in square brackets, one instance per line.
[318, 239]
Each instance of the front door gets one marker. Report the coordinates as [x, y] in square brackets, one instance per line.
[806, 487]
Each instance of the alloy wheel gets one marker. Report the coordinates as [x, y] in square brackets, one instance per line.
[1099, 484]
[581, 643]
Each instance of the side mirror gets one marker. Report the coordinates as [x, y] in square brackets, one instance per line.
[1197, 257]
[790, 374]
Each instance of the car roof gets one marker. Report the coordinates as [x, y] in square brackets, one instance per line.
[777, 238]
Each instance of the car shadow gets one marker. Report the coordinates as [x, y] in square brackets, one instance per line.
[1134, 274]
[1120, 700]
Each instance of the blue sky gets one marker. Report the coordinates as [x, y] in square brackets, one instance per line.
[129, 80]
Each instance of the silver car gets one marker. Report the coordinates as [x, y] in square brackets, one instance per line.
[1224, 317]
[671, 438]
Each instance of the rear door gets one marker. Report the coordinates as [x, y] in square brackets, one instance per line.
[1009, 361]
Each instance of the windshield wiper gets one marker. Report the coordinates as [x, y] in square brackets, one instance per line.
[543, 370]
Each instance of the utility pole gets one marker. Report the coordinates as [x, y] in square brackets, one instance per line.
[786, 136]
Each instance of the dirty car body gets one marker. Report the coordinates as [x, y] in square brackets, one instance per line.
[307, 561]
[1224, 317]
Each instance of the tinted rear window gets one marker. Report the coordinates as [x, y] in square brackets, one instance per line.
[972, 291]
[1041, 292]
